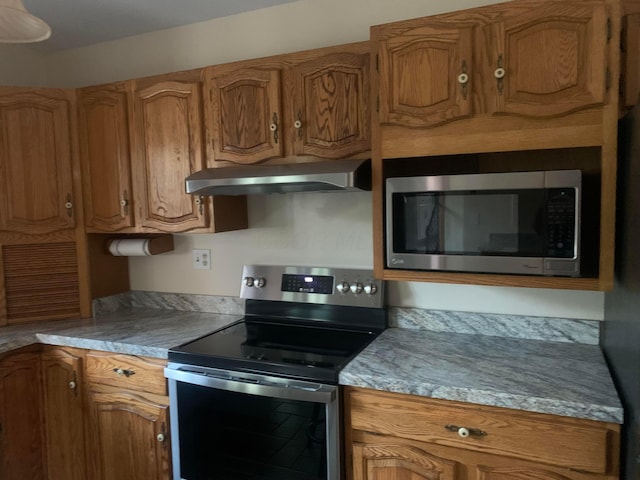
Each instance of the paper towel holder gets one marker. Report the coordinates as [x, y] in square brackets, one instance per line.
[152, 244]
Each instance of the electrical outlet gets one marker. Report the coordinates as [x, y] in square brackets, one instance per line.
[202, 259]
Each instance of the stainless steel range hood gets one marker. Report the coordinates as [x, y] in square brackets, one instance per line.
[329, 175]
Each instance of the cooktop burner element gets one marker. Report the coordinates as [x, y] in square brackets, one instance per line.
[301, 323]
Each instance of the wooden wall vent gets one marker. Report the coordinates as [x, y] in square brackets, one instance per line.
[41, 282]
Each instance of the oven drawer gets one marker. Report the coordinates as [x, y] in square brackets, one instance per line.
[127, 371]
[550, 439]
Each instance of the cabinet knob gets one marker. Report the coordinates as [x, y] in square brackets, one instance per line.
[198, 201]
[160, 437]
[499, 73]
[124, 202]
[122, 372]
[68, 205]
[72, 385]
[464, 432]
[463, 78]
[297, 124]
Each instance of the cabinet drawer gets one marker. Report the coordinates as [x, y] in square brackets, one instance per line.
[572, 443]
[127, 371]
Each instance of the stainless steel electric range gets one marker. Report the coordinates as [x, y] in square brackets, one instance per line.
[259, 399]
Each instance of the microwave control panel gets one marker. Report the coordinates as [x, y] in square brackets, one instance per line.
[561, 222]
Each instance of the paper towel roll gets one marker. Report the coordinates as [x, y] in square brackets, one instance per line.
[129, 247]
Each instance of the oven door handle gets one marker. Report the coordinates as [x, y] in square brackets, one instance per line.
[288, 390]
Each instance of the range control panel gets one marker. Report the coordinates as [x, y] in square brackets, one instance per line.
[323, 285]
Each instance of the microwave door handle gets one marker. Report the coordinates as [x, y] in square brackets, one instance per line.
[286, 391]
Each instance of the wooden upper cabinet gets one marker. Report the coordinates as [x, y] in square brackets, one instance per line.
[103, 114]
[330, 108]
[551, 61]
[36, 194]
[245, 115]
[168, 126]
[533, 59]
[424, 73]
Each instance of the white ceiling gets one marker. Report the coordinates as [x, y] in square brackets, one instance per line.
[77, 23]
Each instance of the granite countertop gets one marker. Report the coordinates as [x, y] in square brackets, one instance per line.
[139, 331]
[567, 379]
[549, 377]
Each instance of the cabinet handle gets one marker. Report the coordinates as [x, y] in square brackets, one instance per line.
[465, 432]
[122, 372]
[463, 79]
[274, 127]
[298, 124]
[500, 73]
[200, 203]
[69, 205]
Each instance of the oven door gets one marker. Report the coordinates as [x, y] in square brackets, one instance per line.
[237, 426]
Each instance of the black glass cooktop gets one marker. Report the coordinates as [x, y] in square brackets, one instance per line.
[259, 346]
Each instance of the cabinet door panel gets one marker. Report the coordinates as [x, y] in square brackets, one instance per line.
[21, 455]
[106, 159]
[519, 473]
[331, 105]
[168, 123]
[35, 163]
[64, 414]
[401, 462]
[124, 442]
[420, 82]
[246, 117]
[554, 60]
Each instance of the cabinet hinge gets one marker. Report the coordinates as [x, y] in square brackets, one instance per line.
[609, 29]
[378, 103]
[377, 63]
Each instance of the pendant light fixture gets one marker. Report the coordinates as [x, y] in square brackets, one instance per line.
[17, 25]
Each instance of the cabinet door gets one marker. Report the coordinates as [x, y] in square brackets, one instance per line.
[424, 73]
[245, 115]
[330, 109]
[21, 439]
[63, 414]
[35, 162]
[551, 61]
[168, 137]
[128, 436]
[105, 157]
[402, 462]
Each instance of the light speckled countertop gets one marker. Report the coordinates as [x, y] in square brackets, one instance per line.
[538, 376]
[145, 332]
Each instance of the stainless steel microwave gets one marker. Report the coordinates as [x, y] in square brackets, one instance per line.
[514, 223]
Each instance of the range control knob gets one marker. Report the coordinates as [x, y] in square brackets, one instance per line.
[342, 287]
[260, 282]
[370, 289]
[248, 281]
[356, 288]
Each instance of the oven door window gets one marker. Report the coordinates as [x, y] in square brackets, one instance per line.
[471, 223]
[234, 436]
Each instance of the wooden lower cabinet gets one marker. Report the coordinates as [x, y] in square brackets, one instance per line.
[404, 437]
[21, 433]
[128, 420]
[63, 408]
[128, 436]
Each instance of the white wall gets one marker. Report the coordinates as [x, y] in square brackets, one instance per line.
[297, 229]
[21, 67]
